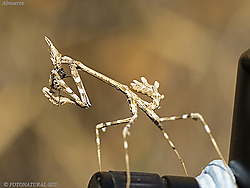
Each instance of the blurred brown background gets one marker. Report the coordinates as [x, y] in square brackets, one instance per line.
[190, 47]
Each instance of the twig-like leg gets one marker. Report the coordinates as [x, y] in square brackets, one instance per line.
[173, 147]
[103, 127]
[125, 133]
[196, 116]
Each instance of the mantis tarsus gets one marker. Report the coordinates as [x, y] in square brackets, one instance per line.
[57, 83]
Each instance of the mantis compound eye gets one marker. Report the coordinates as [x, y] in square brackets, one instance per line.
[62, 73]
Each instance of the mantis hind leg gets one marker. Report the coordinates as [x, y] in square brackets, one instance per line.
[197, 116]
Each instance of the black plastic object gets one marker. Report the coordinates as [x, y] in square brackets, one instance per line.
[117, 179]
[239, 156]
[180, 182]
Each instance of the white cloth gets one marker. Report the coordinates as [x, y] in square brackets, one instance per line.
[215, 175]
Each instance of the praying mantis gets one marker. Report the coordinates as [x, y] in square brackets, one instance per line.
[58, 85]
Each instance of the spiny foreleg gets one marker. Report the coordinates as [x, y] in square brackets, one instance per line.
[77, 79]
[57, 83]
[55, 98]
